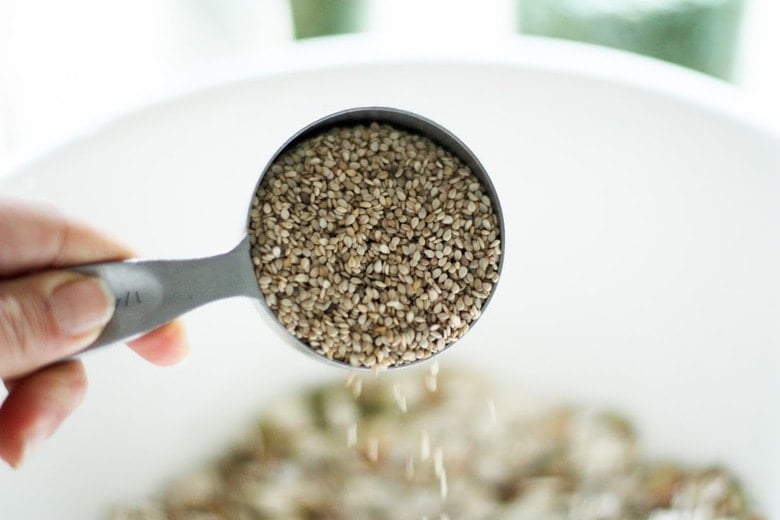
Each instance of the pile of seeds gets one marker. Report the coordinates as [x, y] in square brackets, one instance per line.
[406, 448]
[374, 246]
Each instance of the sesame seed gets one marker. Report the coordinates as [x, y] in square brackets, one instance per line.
[357, 232]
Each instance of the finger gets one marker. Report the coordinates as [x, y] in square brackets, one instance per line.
[36, 406]
[48, 316]
[165, 345]
[36, 238]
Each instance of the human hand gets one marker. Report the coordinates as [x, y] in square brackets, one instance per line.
[48, 313]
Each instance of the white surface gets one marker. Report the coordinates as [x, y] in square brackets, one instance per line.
[641, 269]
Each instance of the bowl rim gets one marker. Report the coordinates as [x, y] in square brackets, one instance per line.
[531, 53]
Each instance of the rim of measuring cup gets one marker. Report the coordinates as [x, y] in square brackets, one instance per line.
[405, 120]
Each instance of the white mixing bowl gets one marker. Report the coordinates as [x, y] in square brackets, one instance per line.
[642, 206]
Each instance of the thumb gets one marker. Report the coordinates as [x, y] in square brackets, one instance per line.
[48, 316]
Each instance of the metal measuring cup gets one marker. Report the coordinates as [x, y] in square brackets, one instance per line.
[150, 293]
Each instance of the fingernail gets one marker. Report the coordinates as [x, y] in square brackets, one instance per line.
[82, 305]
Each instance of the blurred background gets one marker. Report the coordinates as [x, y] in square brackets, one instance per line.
[67, 66]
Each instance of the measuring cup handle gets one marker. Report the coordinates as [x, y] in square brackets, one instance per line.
[150, 293]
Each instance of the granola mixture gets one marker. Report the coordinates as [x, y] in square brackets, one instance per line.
[440, 447]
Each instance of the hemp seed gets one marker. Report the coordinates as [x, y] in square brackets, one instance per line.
[357, 231]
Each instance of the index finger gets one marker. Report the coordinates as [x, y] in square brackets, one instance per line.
[35, 237]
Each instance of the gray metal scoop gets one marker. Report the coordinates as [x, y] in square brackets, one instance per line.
[150, 293]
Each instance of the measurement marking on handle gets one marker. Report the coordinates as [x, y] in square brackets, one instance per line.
[129, 298]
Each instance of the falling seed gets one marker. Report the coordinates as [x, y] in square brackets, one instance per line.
[409, 469]
[438, 469]
[400, 398]
[356, 387]
[492, 409]
[431, 378]
[352, 435]
[425, 446]
[376, 369]
[438, 461]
